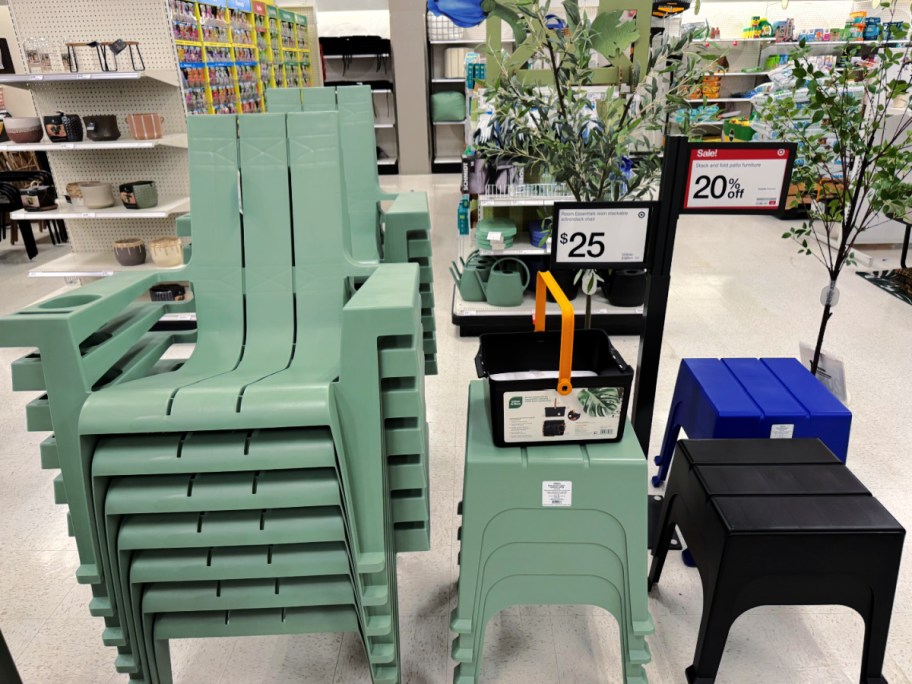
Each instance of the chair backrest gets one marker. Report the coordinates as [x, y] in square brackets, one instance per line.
[274, 265]
[359, 150]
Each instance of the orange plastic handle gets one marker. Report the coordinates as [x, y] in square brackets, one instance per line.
[565, 370]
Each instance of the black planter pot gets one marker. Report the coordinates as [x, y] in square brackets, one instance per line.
[626, 287]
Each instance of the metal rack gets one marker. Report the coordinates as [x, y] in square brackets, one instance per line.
[156, 89]
[365, 69]
[448, 138]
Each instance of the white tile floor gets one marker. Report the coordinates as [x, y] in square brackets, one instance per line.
[737, 290]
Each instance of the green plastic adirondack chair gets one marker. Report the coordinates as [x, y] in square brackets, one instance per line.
[272, 349]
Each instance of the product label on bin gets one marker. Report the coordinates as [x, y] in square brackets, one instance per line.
[587, 413]
[557, 493]
[782, 431]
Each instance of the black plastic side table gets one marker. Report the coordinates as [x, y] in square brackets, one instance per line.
[779, 522]
[8, 672]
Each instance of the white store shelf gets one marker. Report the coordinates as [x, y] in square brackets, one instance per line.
[508, 201]
[88, 265]
[392, 161]
[600, 307]
[164, 75]
[710, 100]
[740, 73]
[164, 209]
[384, 125]
[740, 40]
[450, 123]
[447, 160]
[374, 56]
[521, 247]
[448, 80]
[467, 41]
[172, 140]
[381, 91]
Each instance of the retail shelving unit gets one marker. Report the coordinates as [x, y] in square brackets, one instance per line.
[230, 51]
[376, 71]
[94, 92]
[448, 138]
[521, 201]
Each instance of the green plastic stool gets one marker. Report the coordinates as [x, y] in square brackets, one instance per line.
[508, 537]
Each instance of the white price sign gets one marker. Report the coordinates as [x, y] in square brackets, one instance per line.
[737, 178]
[600, 234]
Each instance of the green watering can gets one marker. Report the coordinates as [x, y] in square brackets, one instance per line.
[506, 283]
[477, 267]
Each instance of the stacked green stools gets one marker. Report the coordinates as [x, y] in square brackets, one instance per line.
[265, 484]
[562, 524]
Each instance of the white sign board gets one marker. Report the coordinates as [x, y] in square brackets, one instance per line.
[736, 179]
[600, 235]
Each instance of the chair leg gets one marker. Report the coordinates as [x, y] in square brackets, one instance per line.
[714, 628]
[31, 248]
[163, 661]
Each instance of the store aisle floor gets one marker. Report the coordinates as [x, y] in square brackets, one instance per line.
[737, 289]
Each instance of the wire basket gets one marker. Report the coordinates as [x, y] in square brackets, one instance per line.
[529, 190]
[442, 28]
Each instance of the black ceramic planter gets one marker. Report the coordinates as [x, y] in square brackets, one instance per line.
[626, 287]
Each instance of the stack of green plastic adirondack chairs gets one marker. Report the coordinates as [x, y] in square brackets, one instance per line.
[263, 485]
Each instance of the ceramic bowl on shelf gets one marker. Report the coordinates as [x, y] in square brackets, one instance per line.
[97, 195]
[145, 126]
[130, 252]
[74, 194]
[24, 129]
[101, 127]
[139, 194]
[167, 252]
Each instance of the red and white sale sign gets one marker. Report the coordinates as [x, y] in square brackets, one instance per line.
[736, 178]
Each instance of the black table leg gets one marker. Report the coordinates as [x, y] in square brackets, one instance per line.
[8, 671]
[905, 247]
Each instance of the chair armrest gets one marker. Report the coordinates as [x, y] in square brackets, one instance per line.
[81, 311]
[408, 219]
[382, 315]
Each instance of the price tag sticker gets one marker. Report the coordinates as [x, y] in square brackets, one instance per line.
[601, 234]
[737, 178]
[87, 215]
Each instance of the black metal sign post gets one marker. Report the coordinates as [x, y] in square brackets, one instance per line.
[700, 178]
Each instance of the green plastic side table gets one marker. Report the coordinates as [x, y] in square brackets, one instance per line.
[522, 544]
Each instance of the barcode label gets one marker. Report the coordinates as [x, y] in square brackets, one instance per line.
[557, 493]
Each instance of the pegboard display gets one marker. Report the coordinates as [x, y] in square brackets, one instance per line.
[230, 51]
[148, 22]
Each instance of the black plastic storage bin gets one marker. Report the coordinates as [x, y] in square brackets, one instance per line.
[530, 411]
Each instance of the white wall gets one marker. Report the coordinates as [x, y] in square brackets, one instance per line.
[18, 100]
[348, 17]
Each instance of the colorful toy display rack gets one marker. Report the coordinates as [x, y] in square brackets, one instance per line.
[230, 51]
[265, 484]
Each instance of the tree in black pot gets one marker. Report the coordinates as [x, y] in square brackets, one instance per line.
[603, 149]
[853, 127]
